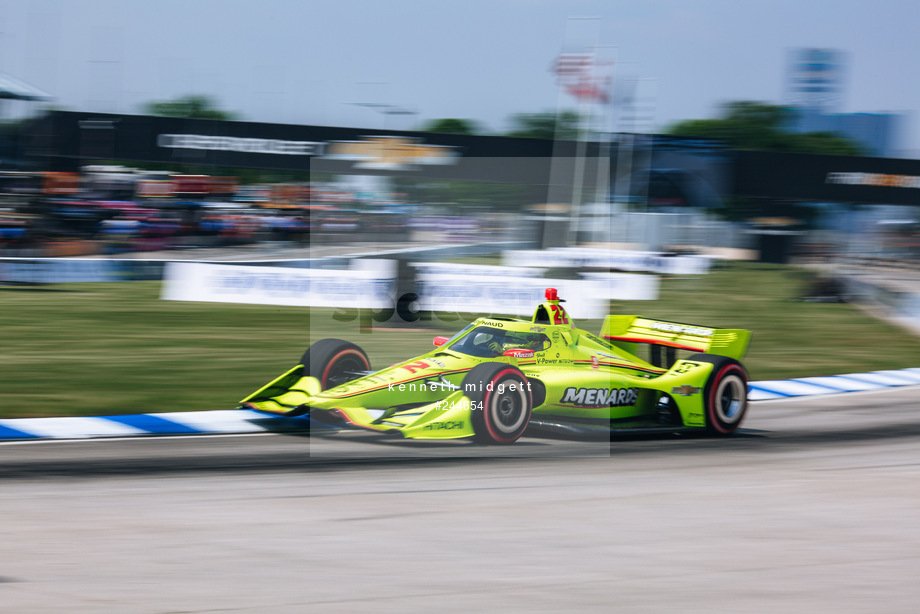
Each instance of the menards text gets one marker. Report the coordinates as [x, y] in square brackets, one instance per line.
[601, 397]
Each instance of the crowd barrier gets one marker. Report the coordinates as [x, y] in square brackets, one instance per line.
[365, 281]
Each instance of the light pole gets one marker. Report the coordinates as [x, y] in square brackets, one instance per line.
[630, 124]
[574, 69]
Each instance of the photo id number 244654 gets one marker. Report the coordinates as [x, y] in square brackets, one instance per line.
[450, 406]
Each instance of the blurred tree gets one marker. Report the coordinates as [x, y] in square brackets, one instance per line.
[193, 106]
[452, 126]
[754, 125]
[545, 125]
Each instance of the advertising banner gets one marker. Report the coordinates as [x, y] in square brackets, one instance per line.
[369, 284]
[621, 260]
[76, 270]
[451, 268]
[486, 295]
[842, 179]
[625, 286]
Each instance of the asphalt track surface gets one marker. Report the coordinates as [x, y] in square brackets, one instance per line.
[814, 506]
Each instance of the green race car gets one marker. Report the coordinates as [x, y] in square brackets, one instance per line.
[500, 376]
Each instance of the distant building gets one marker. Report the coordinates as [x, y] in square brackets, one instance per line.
[879, 134]
[815, 91]
[814, 79]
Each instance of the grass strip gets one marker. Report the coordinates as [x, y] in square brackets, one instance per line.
[99, 349]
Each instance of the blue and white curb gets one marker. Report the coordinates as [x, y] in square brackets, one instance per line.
[133, 425]
[832, 384]
[236, 421]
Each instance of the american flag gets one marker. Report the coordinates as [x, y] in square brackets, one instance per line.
[578, 74]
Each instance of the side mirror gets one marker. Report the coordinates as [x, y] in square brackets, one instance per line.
[439, 341]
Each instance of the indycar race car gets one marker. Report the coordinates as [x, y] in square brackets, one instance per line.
[500, 376]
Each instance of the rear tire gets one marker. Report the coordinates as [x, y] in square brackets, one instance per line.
[502, 402]
[334, 362]
[725, 395]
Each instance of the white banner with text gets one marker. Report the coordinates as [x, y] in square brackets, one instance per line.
[368, 284]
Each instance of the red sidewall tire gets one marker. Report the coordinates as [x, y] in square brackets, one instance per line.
[731, 374]
[349, 353]
[725, 372]
[500, 415]
[334, 361]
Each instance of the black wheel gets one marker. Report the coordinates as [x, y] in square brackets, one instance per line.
[501, 402]
[725, 396]
[334, 362]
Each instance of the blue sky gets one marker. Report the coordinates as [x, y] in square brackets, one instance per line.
[306, 62]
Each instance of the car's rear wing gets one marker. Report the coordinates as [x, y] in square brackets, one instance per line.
[623, 331]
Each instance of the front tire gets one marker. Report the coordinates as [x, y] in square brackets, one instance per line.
[334, 362]
[502, 402]
[725, 394]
